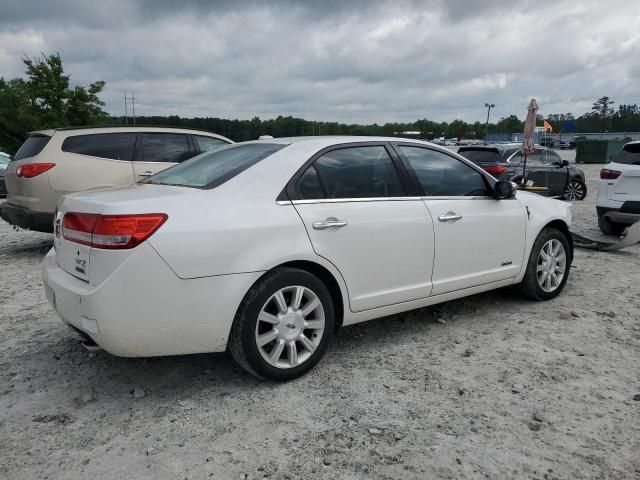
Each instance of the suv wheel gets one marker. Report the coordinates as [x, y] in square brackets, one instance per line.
[283, 326]
[609, 227]
[575, 190]
[548, 267]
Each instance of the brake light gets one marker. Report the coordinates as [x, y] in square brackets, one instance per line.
[606, 174]
[110, 231]
[495, 169]
[31, 170]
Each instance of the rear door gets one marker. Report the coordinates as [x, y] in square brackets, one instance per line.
[478, 239]
[361, 215]
[158, 151]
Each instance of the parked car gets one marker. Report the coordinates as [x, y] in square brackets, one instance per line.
[546, 141]
[618, 202]
[267, 247]
[52, 163]
[4, 161]
[544, 167]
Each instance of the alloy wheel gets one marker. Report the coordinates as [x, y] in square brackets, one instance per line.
[290, 327]
[551, 266]
[574, 191]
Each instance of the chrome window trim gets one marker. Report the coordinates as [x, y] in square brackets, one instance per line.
[350, 200]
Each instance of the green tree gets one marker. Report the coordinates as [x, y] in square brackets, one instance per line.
[510, 124]
[602, 107]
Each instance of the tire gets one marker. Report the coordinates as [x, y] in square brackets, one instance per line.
[531, 286]
[267, 299]
[609, 227]
[575, 190]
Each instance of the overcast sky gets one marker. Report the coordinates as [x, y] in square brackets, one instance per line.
[352, 60]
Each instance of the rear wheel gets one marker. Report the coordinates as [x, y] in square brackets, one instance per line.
[548, 266]
[575, 190]
[283, 326]
[609, 227]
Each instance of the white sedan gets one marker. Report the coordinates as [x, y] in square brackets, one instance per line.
[266, 248]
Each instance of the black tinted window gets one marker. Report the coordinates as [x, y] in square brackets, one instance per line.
[359, 172]
[532, 158]
[484, 155]
[207, 144]
[308, 186]
[442, 175]
[630, 155]
[164, 147]
[116, 146]
[31, 147]
[214, 168]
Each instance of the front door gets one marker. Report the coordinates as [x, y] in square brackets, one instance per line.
[558, 174]
[478, 239]
[157, 151]
[358, 215]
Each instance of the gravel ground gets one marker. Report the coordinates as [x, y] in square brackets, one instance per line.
[489, 386]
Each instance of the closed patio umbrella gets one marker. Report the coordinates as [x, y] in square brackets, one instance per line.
[527, 140]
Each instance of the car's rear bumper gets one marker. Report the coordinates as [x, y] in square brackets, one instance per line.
[626, 214]
[143, 309]
[25, 218]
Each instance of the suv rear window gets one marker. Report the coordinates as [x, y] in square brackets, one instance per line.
[214, 168]
[630, 155]
[484, 155]
[31, 147]
[115, 146]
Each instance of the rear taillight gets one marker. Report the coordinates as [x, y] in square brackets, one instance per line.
[110, 231]
[31, 170]
[606, 174]
[495, 169]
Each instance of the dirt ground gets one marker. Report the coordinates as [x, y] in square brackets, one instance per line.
[491, 386]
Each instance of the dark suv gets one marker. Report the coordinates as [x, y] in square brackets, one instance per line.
[544, 167]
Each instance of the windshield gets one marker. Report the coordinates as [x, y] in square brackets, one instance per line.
[484, 155]
[630, 155]
[214, 168]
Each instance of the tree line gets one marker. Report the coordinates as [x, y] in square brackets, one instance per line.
[45, 99]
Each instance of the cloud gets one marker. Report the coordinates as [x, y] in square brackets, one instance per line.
[359, 61]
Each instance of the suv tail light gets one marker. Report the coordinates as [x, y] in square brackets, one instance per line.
[606, 174]
[495, 169]
[31, 170]
[110, 231]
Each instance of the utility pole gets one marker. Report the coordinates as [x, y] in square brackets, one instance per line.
[132, 98]
[126, 113]
[133, 107]
[486, 125]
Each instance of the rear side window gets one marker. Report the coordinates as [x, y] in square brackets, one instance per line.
[208, 144]
[115, 146]
[484, 155]
[32, 146]
[441, 175]
[359, 172]
[308, 186]
[630, 155]
[214, 168]
[164, 147]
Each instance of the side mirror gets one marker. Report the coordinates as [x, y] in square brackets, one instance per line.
[504, 189]
[565, 163]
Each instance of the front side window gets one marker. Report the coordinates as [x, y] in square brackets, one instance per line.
[208, 144]
[532, 159]
[164, 147]
[359, 172]
[443, 176]
[115, 146]
[211, 169]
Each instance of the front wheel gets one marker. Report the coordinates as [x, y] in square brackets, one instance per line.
[548, 267]
[575, 190]
[283, 326]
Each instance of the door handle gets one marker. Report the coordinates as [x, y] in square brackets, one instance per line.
[146, 174]
[449, 217]
[329, 223]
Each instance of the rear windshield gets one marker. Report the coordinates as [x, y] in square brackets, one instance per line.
[480, 155]
[31, 147]
[214, 168]
[630, 155]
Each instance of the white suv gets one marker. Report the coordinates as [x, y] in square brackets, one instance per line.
[53, 163]
[618, 203]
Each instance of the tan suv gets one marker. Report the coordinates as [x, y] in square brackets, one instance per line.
[52, 163]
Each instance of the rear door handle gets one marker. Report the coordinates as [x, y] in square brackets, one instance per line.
[329, 223]
[449, 217]
[146, 174]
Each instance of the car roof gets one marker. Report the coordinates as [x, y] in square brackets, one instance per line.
[125, 128]
[329, 140]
